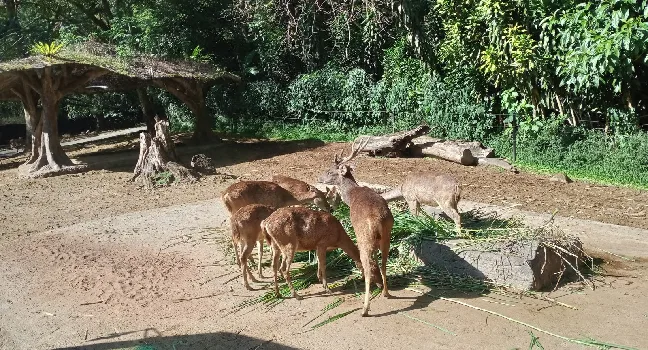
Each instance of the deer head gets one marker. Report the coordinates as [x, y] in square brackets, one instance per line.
[340, 166]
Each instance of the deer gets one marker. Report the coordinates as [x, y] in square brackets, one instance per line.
[303, 191]
[242, 193]
[246, 192]
[246, 231]
[293, 229]
[371, 218]
[429, 188]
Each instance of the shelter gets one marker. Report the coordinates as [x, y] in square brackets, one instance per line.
[41, 82]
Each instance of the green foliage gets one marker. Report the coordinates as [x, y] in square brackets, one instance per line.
[582, 154]
[46, 49]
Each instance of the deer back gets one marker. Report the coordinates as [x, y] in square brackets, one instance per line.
[304, 228]
[428, 187]
[243, 193]
[303, 191]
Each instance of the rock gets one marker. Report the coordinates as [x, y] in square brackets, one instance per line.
[203, 164]
[521, 264]
[560, 177]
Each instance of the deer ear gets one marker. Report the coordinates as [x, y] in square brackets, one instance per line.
[343, 170]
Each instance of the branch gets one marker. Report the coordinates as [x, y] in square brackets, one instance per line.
[91, 15]
[33, 83]
[89, 75]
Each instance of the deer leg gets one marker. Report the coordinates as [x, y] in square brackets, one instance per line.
[275, 266]
[414, 206]
[245, 253]
[260, 251]
[321, 268]
[365, 258]
[384, 253]
[236, 252]
[288, 257]
[453, 213]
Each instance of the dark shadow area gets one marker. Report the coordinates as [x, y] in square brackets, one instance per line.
[451, 276]
[123, 158]
[223, 153]
[217, 340]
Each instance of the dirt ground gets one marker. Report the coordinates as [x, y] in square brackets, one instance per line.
[91, 261]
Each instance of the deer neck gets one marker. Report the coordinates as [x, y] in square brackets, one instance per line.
[347, 183]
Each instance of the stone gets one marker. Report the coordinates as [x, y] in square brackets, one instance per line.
[560, 177]
[522, 264]
[203, 164]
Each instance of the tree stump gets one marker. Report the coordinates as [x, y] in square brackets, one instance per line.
[158, 162]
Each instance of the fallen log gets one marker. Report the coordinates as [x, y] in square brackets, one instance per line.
[475, 147]
[158, 162]
[445, 150]
[391, 145]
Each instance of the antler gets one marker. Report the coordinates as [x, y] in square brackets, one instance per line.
[354, 151]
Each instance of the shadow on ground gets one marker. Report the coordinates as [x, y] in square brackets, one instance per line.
[217, 340]
[123, 158]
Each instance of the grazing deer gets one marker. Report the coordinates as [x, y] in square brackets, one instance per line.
[242, 193]
[246, 231]
[429, 188]
[293, 229]
[371, 218]
[303, 191]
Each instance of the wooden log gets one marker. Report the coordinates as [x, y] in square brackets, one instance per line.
[476, 148]
[392, 145]
[448, 151]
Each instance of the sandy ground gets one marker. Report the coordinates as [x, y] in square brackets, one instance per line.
[91, 261]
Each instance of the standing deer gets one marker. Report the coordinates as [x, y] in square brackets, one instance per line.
[293, 229]
[429, 188]
[371, 218]
[246, 231]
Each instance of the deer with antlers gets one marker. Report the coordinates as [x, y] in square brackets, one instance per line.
[371, 218]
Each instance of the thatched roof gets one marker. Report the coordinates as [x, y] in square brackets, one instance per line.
[124, 73]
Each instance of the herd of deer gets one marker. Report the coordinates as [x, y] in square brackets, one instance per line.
[270, 211]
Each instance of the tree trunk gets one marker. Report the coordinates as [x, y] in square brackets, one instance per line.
[157, 163]
[48, 157]
[392, 145]
[12, 13]
[192, 93]
[147, 110]
[203, 132]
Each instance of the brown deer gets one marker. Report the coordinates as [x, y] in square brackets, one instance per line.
[293, 229]
[303, 191]
[371, 218]
[242, 193]
[246, 231]
[429, 188]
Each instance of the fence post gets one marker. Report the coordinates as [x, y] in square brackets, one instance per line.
[514, 135]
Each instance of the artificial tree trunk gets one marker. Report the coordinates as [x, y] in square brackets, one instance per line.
[147, 110]
[157, 156]
[192, 93]
[47, 156]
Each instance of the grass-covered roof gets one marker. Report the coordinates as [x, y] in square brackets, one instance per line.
[124, 73]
